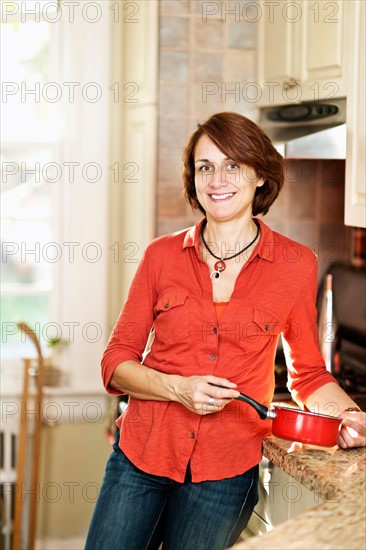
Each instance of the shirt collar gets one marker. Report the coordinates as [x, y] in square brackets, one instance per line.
[265, 248]
[192, 237]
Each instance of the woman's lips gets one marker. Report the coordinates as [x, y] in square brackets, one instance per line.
[221, 197]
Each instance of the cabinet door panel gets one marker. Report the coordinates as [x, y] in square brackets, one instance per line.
[277, 61]
[280, 32]
[301, 50]
[324, 40]
[355, 199]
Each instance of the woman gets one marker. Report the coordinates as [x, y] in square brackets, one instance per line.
[216, 296]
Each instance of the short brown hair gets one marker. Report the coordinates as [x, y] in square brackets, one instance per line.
[244, 142]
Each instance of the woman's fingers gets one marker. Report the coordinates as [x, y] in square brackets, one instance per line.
[218, 381]
[353, 430]
[221, 388]
[206, 394]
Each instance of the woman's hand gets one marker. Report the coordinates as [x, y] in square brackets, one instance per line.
[198, 394]
[353, 429]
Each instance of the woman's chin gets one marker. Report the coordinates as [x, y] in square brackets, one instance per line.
[222, 214]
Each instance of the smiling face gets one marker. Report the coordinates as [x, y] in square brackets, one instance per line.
[225, 189]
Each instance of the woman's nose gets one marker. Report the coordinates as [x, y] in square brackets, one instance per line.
[218, 178]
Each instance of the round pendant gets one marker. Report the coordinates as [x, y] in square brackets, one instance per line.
[220, 266]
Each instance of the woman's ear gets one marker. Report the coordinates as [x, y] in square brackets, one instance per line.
[261, 181]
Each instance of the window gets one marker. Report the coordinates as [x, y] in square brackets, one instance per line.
[31, 133]
[55, 181]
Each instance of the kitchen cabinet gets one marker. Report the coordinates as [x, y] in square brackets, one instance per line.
[281, 498]
[355, 197]
[302, 50]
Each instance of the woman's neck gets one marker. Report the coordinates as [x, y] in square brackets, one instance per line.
[231, 234]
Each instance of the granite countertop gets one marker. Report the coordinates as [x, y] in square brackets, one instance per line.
[339, 477]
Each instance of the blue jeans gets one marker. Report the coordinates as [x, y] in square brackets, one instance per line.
[138, 511]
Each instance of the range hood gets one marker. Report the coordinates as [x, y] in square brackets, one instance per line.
[315, 129]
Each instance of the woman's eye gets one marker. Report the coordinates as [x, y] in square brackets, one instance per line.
[232, 166]
[205, 168]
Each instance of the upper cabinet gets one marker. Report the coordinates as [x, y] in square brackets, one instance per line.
[355, 196]
[315, 50]
[301, 50]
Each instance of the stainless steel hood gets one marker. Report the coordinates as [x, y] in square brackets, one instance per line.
[324, 144]
[307, 130]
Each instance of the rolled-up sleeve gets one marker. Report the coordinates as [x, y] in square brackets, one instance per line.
[130, 334]
[306, 367]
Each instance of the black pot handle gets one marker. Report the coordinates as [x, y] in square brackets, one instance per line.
[263, 411]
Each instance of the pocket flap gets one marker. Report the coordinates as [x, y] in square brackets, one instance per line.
[268, 322]
[170, 300]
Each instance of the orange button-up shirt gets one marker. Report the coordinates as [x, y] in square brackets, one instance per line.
[172, 292]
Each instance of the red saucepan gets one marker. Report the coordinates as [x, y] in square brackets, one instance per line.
[296, 425]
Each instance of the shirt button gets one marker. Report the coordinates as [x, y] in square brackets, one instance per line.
[192, 435]
[212, 357]
[267, 327]
[166, 306]
[215, 330]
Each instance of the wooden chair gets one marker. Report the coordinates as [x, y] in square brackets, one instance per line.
[28, 540]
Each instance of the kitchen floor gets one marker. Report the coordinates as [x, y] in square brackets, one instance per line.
[76, 543]
[243, 537]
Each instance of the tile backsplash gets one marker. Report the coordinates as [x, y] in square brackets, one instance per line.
[207, 54]
[310, 209]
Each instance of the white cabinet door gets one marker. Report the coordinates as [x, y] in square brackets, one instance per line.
[355, 198]
[281, 498]
[275, 50]
[301, 50]
[322, 55]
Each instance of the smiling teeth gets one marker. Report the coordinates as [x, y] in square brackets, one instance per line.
[222, 197]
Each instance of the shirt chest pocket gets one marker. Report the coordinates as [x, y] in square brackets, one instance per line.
[171, 317]
[261, 330]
